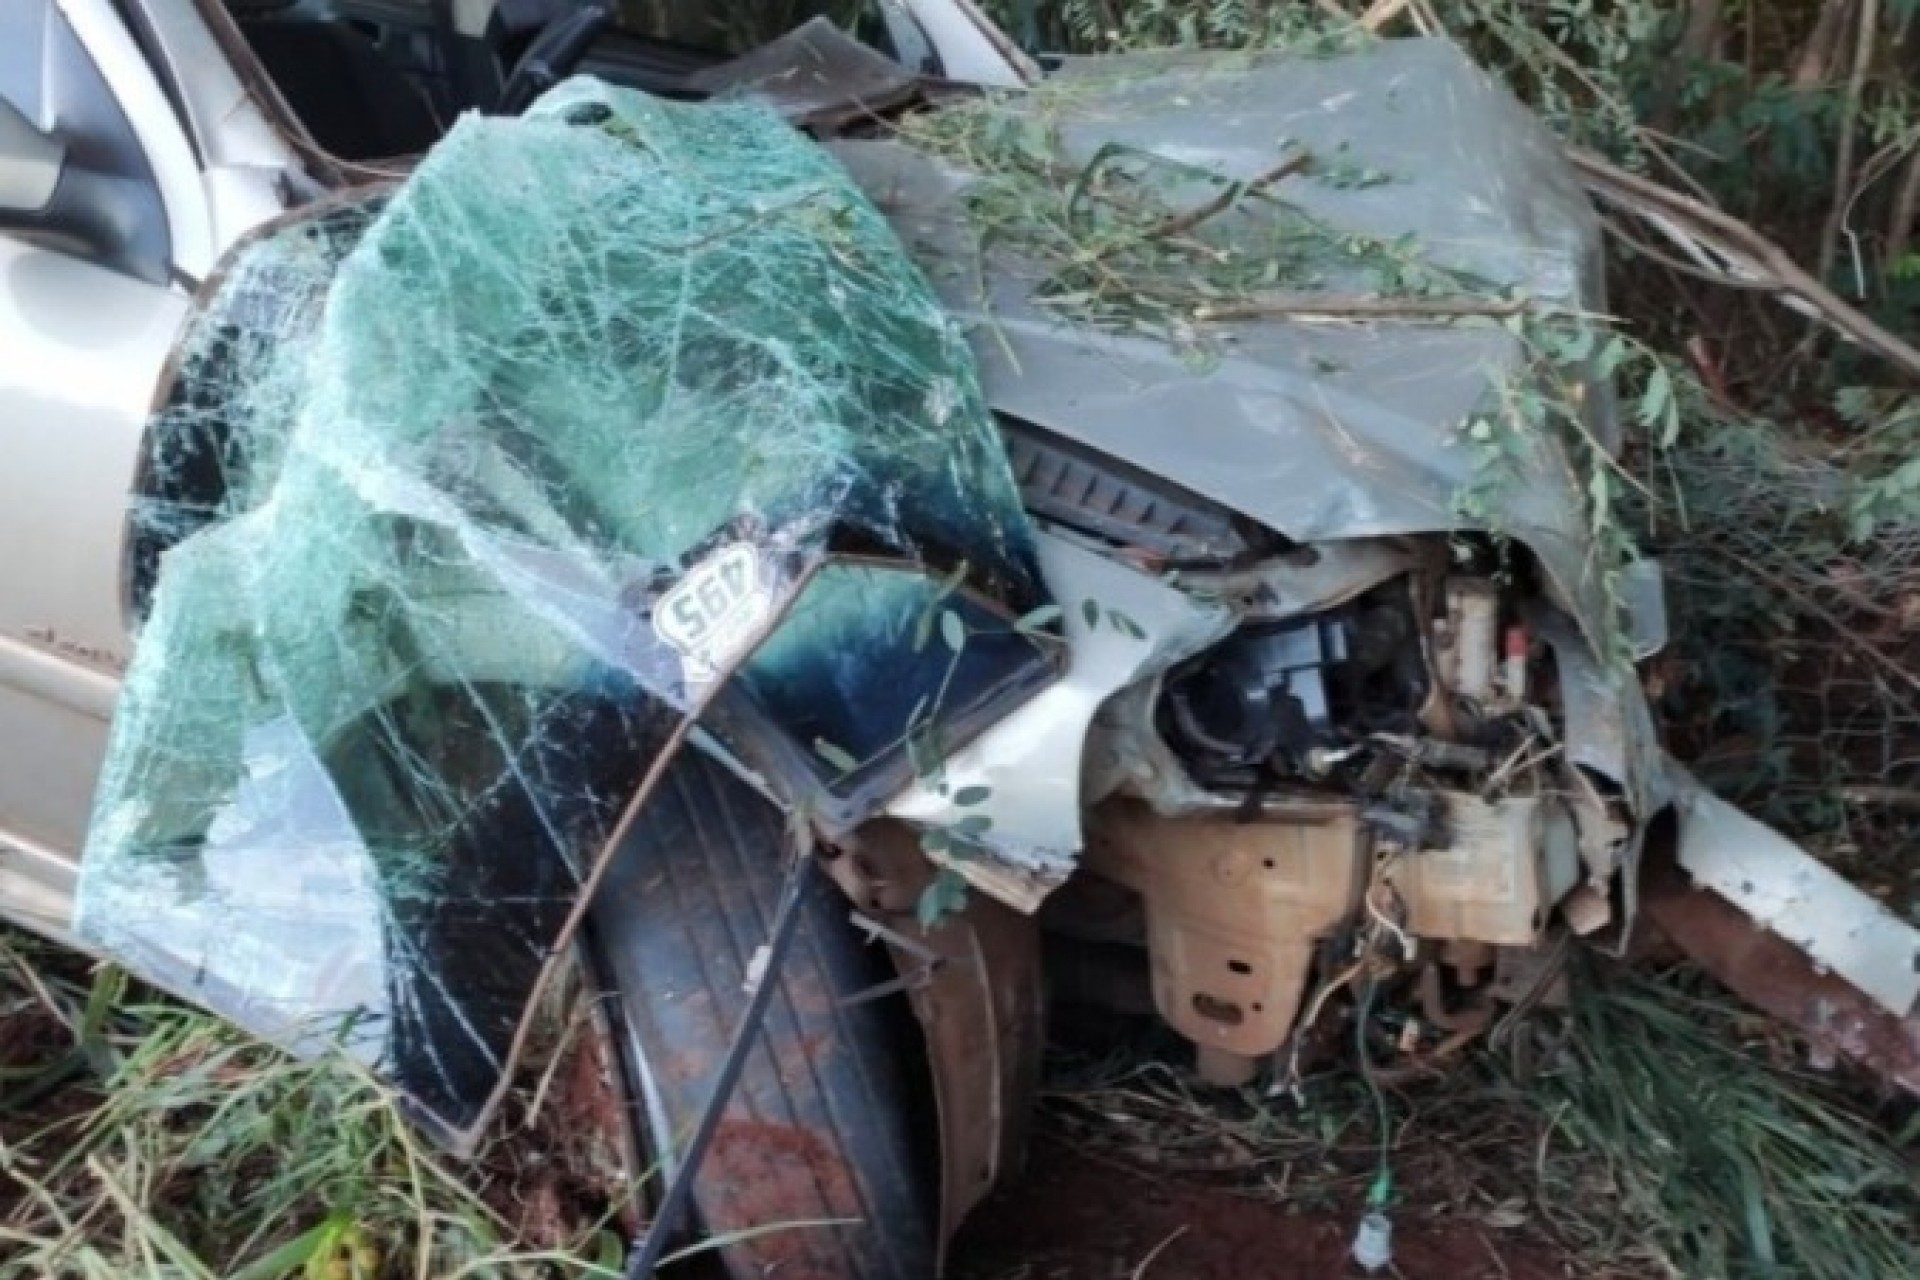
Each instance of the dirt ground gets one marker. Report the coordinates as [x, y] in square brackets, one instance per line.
[1075, 1217]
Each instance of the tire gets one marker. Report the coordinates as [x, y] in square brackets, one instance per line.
[830, 1119]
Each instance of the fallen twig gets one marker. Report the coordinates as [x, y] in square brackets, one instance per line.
[1157, 1250]
[1260, 306]
[1230, 195]
[1869, 21]
[1892, 797]
[1380, 13]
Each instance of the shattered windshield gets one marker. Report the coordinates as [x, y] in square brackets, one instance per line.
[466, 498]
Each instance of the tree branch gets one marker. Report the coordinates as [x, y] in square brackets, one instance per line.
[1849, 124]
[1695, 225]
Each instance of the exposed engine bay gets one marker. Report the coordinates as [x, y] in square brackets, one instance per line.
[1369, 790]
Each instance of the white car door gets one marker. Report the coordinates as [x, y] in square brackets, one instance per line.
[87, 315]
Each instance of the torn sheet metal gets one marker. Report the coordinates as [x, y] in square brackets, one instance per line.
[1335, 431]
[464, 500]
[1783, 889]
[1024, 775]
[1768, 971]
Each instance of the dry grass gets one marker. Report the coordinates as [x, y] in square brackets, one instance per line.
[1657, 1130]
[139, 1138]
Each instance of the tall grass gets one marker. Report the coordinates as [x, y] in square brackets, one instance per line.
[139, 1138]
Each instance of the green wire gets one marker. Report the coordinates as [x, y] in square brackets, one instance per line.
[1382, 1189]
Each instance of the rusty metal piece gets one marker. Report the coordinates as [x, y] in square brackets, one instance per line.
[1468, 960]
[1223, 1067]
[1587, 910]
[1472, 1018]
[981, 1009]
[1768, 971]
[1233, 909]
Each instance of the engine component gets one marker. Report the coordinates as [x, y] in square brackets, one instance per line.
[1504, 866]
[1233, 911]
[1467, 643]
[1262, 692]
[1299, 695]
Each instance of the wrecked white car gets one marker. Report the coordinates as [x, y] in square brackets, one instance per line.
[1108, 507]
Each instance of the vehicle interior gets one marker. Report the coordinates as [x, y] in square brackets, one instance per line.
[375, 79]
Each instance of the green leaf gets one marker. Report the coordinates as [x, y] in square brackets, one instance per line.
[109, 985]
[1090, 610]
[1855, 404]
[940, 899]
[295, 1253]
[1126, 626]
[1657, 399]
[924, 751]
[1035, 619]
[1574, 347]
[838, 757]
[972, 795]
[973, 824]
[936, 841]
[951, 583]
[1611, 357]
[952, 630]
[609, 1251]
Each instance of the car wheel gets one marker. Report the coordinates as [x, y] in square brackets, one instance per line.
[830, 1122]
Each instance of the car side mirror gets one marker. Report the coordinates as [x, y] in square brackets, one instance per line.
[31, 162]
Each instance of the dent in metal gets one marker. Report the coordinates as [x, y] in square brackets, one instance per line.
[1321, 431]
[1608, 726]
[1122, 627]
[1323, 576]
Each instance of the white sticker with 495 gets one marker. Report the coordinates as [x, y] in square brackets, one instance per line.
[716, 611]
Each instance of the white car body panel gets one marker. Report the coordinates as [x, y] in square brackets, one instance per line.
[1030, 763]
[175, 167]
[83, 349]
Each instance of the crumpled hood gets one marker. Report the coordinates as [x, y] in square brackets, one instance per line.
[1319, 429]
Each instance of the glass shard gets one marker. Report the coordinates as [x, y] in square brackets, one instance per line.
[466, 497]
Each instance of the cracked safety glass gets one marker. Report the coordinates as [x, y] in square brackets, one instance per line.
[466, 497]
